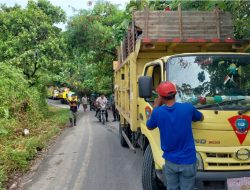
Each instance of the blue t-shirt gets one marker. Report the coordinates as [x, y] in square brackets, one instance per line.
[175, 125]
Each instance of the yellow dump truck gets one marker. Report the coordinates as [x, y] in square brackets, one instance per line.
[63, 93]
[211, 70]
[53, 92]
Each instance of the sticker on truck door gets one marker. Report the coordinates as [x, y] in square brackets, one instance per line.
[240, 126]
[148, 111]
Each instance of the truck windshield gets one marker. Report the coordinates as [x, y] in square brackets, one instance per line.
[211, 79]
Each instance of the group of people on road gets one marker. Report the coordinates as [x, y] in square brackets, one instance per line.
[100, 101]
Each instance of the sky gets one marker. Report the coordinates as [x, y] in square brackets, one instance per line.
[67, 5]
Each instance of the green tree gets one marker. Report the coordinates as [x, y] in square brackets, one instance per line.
[92, 37]
[30, 40]
[135, 5]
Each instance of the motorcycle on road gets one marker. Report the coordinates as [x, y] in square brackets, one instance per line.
[102, 114]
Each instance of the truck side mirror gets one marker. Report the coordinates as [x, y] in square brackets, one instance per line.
[145, 87]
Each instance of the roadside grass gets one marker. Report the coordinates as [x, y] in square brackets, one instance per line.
[17, 149]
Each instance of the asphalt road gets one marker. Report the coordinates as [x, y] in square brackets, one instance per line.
[88, 157]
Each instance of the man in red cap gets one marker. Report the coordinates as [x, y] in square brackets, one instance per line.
[174, 121]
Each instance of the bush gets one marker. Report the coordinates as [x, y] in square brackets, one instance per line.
[23, 107]
[17, 99]
[2, 176]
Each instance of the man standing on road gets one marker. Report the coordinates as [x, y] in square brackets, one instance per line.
[174, 121]
[73, 104]
[84, 102]
[114, 110]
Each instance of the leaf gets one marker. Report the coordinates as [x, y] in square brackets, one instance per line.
[3, 131]
[6, 113]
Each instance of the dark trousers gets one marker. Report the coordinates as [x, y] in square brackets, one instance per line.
[115, 113]
[72, 117]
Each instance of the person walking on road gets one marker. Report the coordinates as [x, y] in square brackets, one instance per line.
[84, 102]
[73, 106]
[114, 110]
[174, 121]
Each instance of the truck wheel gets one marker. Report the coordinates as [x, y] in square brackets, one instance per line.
[122, 140]
[150, 181]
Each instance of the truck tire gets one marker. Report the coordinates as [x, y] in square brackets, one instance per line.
[149, 179]
[122, 140]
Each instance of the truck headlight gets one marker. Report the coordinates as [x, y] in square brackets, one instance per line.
[199, 162]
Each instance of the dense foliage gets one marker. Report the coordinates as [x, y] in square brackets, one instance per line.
[17, 100]
[31, 54]
[22, 107]
[30, 41]
[92, 37]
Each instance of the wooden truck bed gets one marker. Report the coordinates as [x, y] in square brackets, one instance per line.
[176, 26]
[184, 24]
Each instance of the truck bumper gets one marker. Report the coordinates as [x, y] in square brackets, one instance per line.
[217, 180]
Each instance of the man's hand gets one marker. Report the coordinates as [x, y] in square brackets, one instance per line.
[158, 102]
[202, 117]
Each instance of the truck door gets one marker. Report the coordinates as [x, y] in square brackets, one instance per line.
[155, 71]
